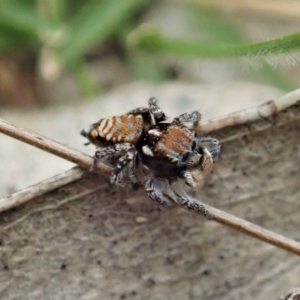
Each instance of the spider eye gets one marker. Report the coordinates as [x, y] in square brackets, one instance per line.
[193, 147]
[185, 156]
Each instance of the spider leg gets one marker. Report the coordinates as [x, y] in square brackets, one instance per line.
[138, 111]
[193, 178]
[213, 146]
[155, 189]
[116, 149]
[132, 169]
[128, 159]
[183, 199]
[155, 111]
[188, 202]
[162, 192]
[193, 117]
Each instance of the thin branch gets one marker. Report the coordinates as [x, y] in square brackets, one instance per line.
[86, 161]
[254, 230]
[41, 188]
[82, 160]
[264, 110]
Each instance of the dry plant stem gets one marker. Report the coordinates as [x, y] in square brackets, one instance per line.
[254, 230]
[264, 110]
[41, 188]
[56, 148]
[86, 161]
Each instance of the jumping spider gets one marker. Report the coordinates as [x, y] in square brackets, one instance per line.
[119, 136]
[171, 151]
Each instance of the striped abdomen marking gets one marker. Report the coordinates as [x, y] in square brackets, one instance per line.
[121, 129]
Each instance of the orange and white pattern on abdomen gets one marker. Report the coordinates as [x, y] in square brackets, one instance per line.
[121, 129]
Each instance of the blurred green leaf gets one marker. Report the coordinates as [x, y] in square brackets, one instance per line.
[13, 40]
[52, 10]
[221, 29]
[95, 22]
[145, 67]
[71, 27]
[148, 39]
[87, 87]
[22, 16]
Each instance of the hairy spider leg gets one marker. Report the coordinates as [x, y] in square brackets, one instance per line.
[193, 117]
[155, 189]
[213, 147]
[130, 158]
[161, 192]
[113, 150]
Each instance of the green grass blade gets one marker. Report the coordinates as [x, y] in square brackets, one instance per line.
[22, 16]
[95, 22]
[276, 78]
[87, 87]
[143, 66]
[151, 40]
[14, 41]
[220, 28]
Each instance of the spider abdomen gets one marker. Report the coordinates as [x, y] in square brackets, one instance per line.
[121, 129]
[116, 129]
